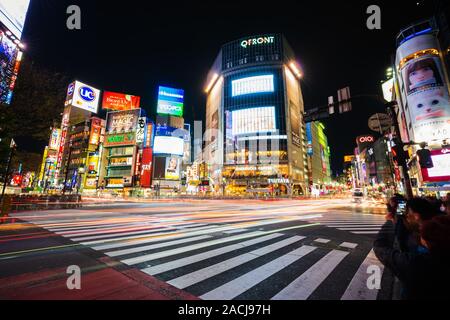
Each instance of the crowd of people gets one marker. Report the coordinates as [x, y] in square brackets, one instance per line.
[418, 249]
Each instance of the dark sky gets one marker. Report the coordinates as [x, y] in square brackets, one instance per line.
[134, 46]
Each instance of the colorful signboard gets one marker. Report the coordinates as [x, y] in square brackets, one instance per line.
[170, 101]
[425, 86]
[55, 138]
[120, 139]
[96, 131]
[120, 101]
[83, 96]
[146, 168]
[149, 136]
[172, 168]
[122, 121]
[10, 58]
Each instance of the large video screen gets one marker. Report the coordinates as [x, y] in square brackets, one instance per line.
[170, 101]
[253, 120]
[168, 145]
[13, 14]
[249, 85]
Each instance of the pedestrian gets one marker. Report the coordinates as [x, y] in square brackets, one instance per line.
[423, 273]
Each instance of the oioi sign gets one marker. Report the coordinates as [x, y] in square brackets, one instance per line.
[256, 41]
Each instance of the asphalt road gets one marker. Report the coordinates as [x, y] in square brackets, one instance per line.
[210, 249]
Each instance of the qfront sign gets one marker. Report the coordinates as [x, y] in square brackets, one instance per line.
[256, 41]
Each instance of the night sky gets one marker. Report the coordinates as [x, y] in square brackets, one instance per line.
[134, 46]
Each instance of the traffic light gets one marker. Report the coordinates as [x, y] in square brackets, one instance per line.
[425, 160]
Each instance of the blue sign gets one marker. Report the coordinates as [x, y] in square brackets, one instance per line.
[170, 101]
[87, 94]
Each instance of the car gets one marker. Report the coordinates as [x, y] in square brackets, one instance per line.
[358, 195]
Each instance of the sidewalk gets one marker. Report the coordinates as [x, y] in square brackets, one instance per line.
[103, 283]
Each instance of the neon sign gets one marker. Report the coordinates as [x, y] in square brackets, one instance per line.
[256, 41]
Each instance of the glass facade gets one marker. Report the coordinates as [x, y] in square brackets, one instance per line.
[258, 110]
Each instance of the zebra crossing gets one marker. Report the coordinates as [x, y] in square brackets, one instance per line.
[233, 260]
[362, 224]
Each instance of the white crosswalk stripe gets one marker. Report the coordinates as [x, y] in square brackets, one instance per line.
[241, 284]
[357, 224]
[302, 287]
[208, 272]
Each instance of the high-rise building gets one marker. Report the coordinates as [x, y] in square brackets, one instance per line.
[255, 133]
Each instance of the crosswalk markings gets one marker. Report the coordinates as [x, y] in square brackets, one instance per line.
[348, 245]
[208, 272]
[241, 284]
[163, 267]
[155, 246]
[320, 240]
[358, 288]
[235, 231]
[302, 287]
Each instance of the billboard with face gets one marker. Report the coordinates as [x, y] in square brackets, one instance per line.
[119, 101]
[172, 168]
[425, 88]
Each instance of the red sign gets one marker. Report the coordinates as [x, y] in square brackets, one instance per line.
[146, 167]
[120, 101]
[365, 139]
[96, 130]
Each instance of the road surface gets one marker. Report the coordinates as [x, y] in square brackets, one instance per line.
[199, 249]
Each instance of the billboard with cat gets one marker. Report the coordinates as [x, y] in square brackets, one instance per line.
[428, 98]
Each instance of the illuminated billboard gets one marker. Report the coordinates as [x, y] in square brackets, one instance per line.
[441, 167]
[120, 101]
[83, 96]
[172, 168]
[253, 120]
[250, 85]
[388, 89]
[10, 58]
[170, 101]
[425, 88]
[146, 168]
[168, 145]
[122, 121]
[13, 14]
[55, 138]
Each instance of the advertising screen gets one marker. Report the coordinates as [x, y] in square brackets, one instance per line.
[83, 96]
[249, 85]
[441, 166]
[172, 168]
[168, 145]
[424, 84]
[170, 101]
[122, 121]
[10, 58]
[120, 101]
[120, 139]
[253, 120]
[13, 14]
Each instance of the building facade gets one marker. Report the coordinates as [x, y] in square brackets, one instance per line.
[318, 155]
[255, 139]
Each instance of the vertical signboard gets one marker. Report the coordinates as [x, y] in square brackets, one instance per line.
[146, 168]
[141, 130]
